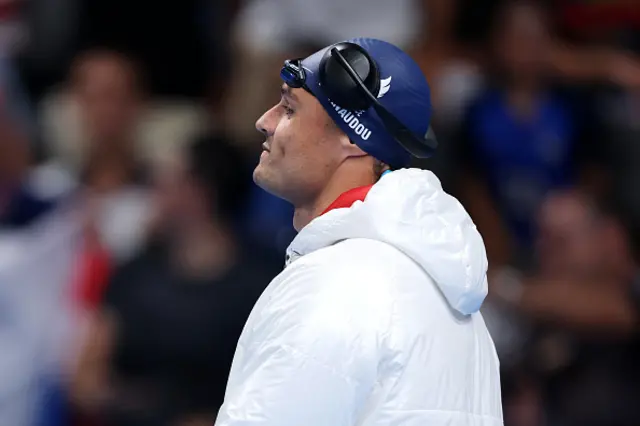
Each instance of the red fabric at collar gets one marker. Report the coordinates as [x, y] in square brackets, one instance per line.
[347, 199]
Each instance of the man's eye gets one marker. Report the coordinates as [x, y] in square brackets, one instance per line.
[288, 110]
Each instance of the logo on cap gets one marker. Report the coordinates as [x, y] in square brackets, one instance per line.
[385, 85]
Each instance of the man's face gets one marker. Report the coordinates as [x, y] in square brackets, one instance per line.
[301, 150]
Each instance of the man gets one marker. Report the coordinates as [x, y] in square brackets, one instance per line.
[374, 320]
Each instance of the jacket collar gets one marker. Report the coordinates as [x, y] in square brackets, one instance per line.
[344, 201]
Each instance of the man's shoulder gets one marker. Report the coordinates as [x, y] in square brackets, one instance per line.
[354, 278]
[347, 268]
[321, 306]
[371, 276]
[348, 280]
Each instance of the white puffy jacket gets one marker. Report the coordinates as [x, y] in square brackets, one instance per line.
[374, 320]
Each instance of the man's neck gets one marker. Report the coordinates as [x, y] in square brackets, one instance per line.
[337, 185]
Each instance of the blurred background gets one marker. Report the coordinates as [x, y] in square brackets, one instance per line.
[133, 242]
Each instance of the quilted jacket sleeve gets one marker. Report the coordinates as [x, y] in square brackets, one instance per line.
[304, 359]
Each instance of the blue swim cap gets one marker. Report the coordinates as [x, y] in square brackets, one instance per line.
[403, 91]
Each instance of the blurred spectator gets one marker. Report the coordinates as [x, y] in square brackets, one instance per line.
[38, 247]
[613, 28]
[162, 346]
[583, 256]
[108, 89]
[520, 138]
[583, 297]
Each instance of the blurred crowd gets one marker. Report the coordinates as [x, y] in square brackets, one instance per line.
[133, 242]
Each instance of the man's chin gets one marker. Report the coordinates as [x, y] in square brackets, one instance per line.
[258, 173]
[260, 177]
[263, 179]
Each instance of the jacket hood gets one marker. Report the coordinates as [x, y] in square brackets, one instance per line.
[409, 210]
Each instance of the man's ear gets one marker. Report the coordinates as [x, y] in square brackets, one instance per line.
[350, 148]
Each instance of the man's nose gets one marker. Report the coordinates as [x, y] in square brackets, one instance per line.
[266, 124]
